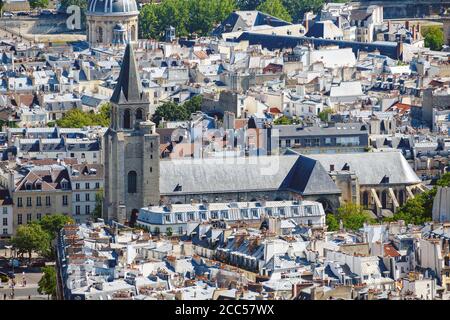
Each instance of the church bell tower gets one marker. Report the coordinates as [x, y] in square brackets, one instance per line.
[131, 147]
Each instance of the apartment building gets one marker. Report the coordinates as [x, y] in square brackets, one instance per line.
[87, 182]
[176, 217]
[6, 213]
[43, 190]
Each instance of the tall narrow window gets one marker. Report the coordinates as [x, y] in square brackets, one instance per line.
[127, 119]
[132, 182]
[100, 34]
[139, 114]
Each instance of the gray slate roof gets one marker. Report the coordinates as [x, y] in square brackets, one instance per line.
[108, 7]
[295, 173]
[371, 167]
[128, 87]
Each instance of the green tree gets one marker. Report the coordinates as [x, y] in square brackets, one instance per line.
[444, 181]
[332, 222]
[76, 118]
[47, 284]
[97, 213]
[103, 116]
[434, 37]
[417, 210]
[53, 223]
[186, 16]
[31, 238]
[193, 105]
[248, 4]
[353, 216]
[283, 120]
[149, 25]
[35, 4]
[297, 8]
[204, 14]
[275, 8]
[323, 115]
[171, 111]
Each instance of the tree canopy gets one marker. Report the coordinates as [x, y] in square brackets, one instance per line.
[434, 37]
[323, 115]
[31, 238]
[170, 111]
[275, 8]
[99, 197]
[34, 4]
[47, 284]
[200, 17]
[77, 118]
[353, 217]
[332, 222]
[186, 16]
[284, 120]
[53, 223]
[418, 210]
[295, 8]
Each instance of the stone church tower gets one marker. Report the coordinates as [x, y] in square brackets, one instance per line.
[131, 147]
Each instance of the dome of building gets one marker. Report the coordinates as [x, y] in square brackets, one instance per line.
[112, 7]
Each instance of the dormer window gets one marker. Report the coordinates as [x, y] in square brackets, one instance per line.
[28, 186]
[38, 185]
[64, 185]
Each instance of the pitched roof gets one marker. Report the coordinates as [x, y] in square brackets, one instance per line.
[50, 179]
[372, 167]
[390, 251]
[295, 173]
[128, 87]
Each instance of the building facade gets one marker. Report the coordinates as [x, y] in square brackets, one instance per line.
[43, 191]
[176, 217]
[87, 182]
[6, 213]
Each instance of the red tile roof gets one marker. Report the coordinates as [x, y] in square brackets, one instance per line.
[390, 251]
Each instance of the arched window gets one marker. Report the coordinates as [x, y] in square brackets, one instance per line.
[100, 34]
[127, 119]
[133, 33]
[139, 114]
[132, 182]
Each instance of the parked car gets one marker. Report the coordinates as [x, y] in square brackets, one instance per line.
[8, 14]
[46, 12]
[3, 277]
[22, 14]
[38, 264]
